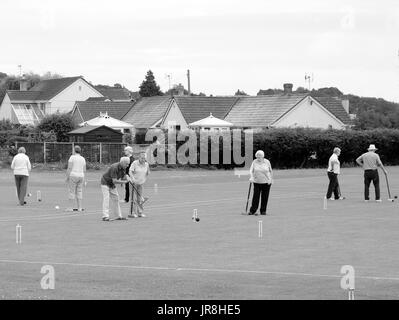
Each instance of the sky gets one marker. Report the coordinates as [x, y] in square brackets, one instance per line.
[226, 44]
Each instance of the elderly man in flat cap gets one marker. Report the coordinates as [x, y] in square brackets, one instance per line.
[370, 161]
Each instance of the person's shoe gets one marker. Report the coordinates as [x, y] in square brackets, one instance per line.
[379, 200]
[121, 218]
[105, 219]
[256, 214]
[366, 200]
[142, 215]
[263, 213]
[340, 198]
[332, 199]
[132, 216]
[80, 210]
[250, 213]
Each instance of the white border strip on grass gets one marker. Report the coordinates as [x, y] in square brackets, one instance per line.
[214, 270]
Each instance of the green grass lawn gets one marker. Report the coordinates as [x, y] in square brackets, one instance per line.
[167, 256]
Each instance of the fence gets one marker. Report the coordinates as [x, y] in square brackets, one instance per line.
[44, 152]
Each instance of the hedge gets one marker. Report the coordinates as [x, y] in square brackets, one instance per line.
[311, 148]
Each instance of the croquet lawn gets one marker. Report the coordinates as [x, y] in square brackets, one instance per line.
[168, 256]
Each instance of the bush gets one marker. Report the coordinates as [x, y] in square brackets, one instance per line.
[59, 123]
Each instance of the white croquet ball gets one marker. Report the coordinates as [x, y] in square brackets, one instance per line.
[57, 207]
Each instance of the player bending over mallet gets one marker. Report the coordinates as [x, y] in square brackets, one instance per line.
[116, 174]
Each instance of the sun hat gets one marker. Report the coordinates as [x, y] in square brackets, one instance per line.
[372, 147]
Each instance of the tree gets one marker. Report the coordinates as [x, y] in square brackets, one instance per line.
[240, 93]
[118, 85]
[59, 123]
[149, 87]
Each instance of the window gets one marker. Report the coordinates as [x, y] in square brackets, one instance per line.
[80, 88]
[25, 114]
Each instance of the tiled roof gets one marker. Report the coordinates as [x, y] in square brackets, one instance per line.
[92, 109]
[50, 88]
[261, 111]
[86, 129]
[16, 95]
[147, 111]
[115, 93]
[197, 108]
[43, 91]
[97, 99]
[334, 105]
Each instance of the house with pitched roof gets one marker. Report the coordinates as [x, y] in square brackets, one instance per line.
[184, 110]
[47, 97]
[289, 110]
[148, 112]
[91, 108]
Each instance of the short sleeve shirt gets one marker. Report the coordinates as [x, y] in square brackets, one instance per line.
[370, 160]
[139, 171]
[78, 164]
[333, 164]
[261, 171]
[115, 171]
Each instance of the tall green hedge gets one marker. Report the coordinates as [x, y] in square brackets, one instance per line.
[309, 148]
[304, 148]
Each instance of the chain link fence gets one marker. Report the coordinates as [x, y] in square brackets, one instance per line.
[47, 152]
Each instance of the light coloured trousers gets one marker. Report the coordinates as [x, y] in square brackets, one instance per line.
[137, 198]
[111, 200]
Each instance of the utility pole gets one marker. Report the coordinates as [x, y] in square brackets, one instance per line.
[20, 70]
[188, 82]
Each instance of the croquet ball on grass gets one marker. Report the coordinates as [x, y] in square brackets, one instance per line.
[395, 197]
[197, 219]
[57, 207]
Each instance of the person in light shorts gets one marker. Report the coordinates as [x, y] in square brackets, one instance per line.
[75, 177]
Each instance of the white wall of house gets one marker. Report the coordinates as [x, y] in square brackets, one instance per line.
[309, 113]
[5, 108]
[80, 90]
[174, 117]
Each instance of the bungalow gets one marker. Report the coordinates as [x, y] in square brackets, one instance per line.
[289, 110]
[86, 110]
[48, 96]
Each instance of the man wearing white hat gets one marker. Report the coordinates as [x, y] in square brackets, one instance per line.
[370, 161]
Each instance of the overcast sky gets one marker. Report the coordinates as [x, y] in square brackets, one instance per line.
[226, 44]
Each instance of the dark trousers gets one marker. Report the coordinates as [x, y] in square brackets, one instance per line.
[261, 190]
[371, 175]
[333, 186]
[21, 183]
[127, 192]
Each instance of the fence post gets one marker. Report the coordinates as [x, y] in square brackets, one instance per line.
[73, 147]
[44, 152]
[16, 145]
[101, 152]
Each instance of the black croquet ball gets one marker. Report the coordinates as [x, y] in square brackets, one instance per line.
[396, 197]
[197, 219]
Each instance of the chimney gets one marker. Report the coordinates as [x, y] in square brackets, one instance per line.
[287, 88]
[345, 104]
[23, 84]
[188, 82]
[180, 89]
